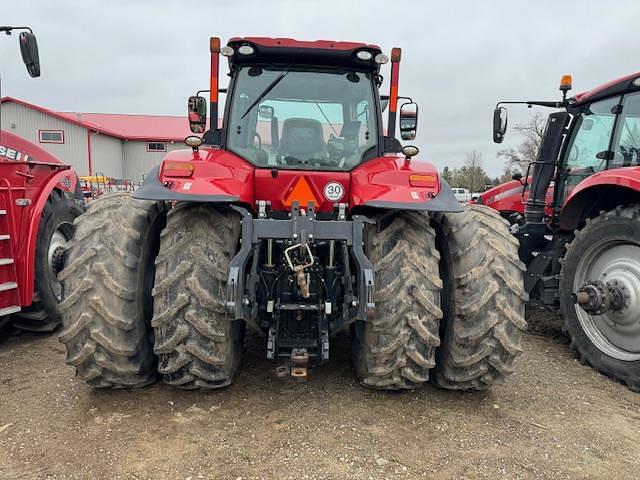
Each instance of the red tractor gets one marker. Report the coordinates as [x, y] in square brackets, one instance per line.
[39, 200]
[577, 217]
[298, 218]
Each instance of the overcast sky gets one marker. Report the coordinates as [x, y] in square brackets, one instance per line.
[459, 58]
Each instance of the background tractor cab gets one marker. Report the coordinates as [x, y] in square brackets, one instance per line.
[579, 220]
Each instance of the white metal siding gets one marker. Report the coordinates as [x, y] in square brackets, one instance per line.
[106, 155]
[138, 161]
[25, 122]
[110, 156]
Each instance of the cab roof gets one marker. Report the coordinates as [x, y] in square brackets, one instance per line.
[628, 83]
[289, 51]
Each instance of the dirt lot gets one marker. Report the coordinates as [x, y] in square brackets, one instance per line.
[554, 418]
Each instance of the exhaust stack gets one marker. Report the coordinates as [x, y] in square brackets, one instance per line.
[214, 47]
[396, 53]
[545, 166]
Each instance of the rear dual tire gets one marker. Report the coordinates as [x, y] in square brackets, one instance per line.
[107, 292]
[449, 302]
[197, 342]
[132, 291]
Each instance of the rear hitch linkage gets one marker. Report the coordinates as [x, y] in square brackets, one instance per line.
[300, 227]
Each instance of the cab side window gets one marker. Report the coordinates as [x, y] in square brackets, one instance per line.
[587, 152]
[626, 144]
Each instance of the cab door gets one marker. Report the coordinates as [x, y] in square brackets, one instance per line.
[626, 140]
[589, 151]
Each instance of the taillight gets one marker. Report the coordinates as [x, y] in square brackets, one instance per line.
[177, 169]
[426, 181]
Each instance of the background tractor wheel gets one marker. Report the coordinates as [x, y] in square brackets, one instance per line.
[198, 345]
[396, 349]
[107, 291]
[54, 230]
[483, 299]
[607, 248]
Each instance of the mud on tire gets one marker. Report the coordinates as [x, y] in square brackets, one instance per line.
[396, 349]
[107, 291]
[483, 299]
[196, 344]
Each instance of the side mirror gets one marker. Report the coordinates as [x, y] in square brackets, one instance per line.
[408, 120]
[29, 50]
[197, 110]
[266, 111]
[500, 116]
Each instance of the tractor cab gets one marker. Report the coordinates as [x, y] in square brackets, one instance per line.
[302, 105]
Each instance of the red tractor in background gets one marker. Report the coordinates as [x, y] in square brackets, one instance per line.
[300, 219]
[39, 200]
[577, 217]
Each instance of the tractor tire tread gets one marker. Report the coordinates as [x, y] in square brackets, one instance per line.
[106, 341]
[484, 317]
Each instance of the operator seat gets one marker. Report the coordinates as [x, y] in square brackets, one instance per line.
[302, 139]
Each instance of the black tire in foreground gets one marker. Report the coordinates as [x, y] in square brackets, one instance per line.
[607, 248]
[198, 345]
[483, 299]
[54, 230]
[396, 349]
[107, 285]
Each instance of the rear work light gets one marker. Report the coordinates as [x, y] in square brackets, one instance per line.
[427, 181]
[177, 169]
[246, 50]
[226, 51]
[364, 55]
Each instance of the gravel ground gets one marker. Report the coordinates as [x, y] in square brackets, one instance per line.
[554, 418]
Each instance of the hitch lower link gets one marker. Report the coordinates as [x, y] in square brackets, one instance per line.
[596, 297]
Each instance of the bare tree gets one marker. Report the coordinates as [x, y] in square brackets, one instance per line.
[532, 132]
[472, 175]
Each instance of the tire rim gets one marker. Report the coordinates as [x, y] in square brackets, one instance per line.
[616, 333]
[56, 256]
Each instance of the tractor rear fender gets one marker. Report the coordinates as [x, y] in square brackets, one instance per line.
[207, 175]
[395, 183]
[64, 180]
[603, 191]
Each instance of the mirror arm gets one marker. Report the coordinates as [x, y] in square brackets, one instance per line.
[530, 103]
[8, 29]
[220, 90]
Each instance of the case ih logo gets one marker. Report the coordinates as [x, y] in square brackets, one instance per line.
[65, 183]
[11, 154]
